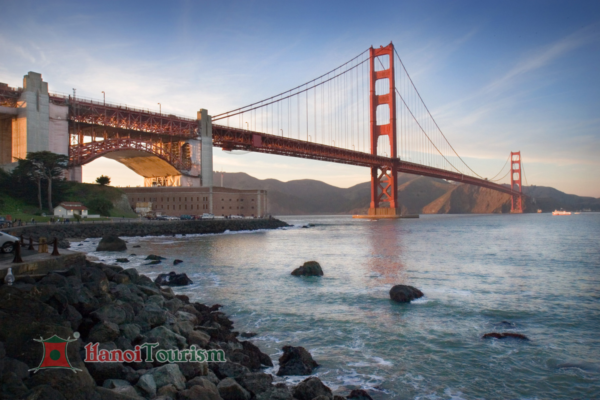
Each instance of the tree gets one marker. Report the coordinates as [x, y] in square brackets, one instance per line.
[25, 168]
[101, 206]
[49, 166]
[103, 180]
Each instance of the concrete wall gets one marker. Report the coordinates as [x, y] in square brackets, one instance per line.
[58, 132]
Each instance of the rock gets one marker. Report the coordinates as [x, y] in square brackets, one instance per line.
[255, 354]
[44, 392]
[166, 338]
[404, 293]
[12, 386]
[229, 369]
[248, 335]
[104, 331]
[114, 312]
[296, 361]
[115, 383]
[120, 393]
[168, 374]
[310, 388]
[150, 316]
[229, 389]
[168, 391]
[278, 392]
[111, 243]
[73, 316]
[136, 246]
[198, 392]
[155, 257]
[153, 262]
[202, 381]
[147, 385]
[193, 369]
[310, 268]
[175, 262]
[173, 279]
[198, 338]
[122, 260]
[257, 382]
[504, 335]
[359, 394]
[103, 371]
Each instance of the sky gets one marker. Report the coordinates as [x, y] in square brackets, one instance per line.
[497, 76]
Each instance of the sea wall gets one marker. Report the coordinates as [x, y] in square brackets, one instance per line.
[153, 228]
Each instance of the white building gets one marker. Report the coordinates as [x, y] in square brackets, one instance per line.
[69, 209]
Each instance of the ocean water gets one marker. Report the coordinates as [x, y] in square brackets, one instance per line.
[534, 274]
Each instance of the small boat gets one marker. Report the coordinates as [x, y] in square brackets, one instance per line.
[561, 212]
[577, 213]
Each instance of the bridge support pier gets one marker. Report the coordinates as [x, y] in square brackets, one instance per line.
[206, 143]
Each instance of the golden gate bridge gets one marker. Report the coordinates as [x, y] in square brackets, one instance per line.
[366, 112]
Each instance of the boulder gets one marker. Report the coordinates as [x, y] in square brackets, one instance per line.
[173, 279]
[256, 355]
[197, 392]
[257, 382]
[153, 262]
[175, 262]
[45, 392]
[310, 388]
[147, 385]
[122, 260]
[198, 338]
[404, 293]
[504, 335]
[229, 389]
[168, 392]
[166, 338]
[168, 374]
[359, 394]
[155, 257]
[296, 361]
[116, 312]
[104, 331]
[248, 335]
[193, 369]
[310, 268]
[278, 392]
[111, 243]
[115, 383]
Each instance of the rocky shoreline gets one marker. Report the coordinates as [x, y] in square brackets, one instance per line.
[159, 228]
[123, 310]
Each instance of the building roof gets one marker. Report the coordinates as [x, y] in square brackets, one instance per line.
[72, 205]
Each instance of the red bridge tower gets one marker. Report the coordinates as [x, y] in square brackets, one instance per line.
[384, 178]
[515, 180]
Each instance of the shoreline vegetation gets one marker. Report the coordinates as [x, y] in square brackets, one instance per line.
[120, 309]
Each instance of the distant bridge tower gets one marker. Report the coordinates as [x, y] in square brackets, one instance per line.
[384, 178]
[515, 180]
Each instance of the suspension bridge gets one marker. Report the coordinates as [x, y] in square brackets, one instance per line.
[366, 112]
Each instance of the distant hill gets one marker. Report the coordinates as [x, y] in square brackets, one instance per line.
[417, 195]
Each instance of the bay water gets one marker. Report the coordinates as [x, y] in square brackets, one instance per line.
[534, 274]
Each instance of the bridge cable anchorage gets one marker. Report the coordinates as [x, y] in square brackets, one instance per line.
[431, 116]
[216, 117]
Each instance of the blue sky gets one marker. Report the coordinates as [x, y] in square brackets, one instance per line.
[497, 76]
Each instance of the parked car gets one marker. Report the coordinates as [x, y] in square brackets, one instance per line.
[185, 217]
[236, 217]
[7, 242]
[208, 216]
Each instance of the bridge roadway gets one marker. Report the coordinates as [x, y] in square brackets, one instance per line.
[240, 139]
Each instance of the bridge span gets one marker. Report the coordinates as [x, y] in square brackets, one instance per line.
[366, 112]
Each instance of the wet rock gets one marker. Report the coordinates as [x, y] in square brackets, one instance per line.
[359, 394]
[229, 389]
[175, 262]
[111, 243]
[168, 374]
[248, 335]
[147, 385]
[310, 388]
[173, 279]
[504, 335]
[310, 268]
[296, 361]
[136, 246]
[153, 262]
[122, 260]
[154, 257]
[256, 355]
[404, 293]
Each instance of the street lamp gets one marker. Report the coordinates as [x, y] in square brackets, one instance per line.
[104, 94]
[159, 108]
